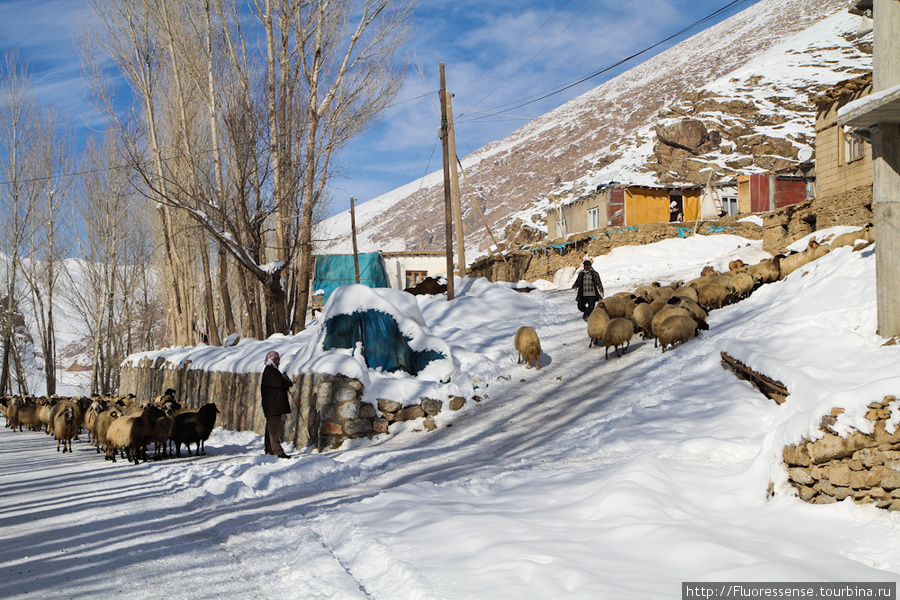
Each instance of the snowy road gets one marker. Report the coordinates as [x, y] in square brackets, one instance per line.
[587, 479]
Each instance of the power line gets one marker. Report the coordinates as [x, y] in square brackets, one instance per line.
[559, 89]
[536, 54]
[519, 45]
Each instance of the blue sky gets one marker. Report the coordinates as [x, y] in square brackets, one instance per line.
[496, 53]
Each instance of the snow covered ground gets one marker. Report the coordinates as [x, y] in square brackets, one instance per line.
[590, 478]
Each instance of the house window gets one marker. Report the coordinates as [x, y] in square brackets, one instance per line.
[561, 228]
[593, 215]
[730, 205]
[414, 278]
[854, 148]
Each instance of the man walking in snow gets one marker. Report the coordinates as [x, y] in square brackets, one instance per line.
[589, 289]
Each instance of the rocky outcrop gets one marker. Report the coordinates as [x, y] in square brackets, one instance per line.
[862, 467]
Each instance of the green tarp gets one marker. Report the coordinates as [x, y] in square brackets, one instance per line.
[335, 270]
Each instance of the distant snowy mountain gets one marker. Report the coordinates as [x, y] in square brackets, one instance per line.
[747, 81]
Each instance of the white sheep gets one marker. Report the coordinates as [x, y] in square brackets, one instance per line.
[528, 345]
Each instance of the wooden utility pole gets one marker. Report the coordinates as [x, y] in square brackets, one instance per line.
[353, 234]
[881, 116]
[455, 196]
[448, 210]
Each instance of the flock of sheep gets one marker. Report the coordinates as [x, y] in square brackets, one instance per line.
[115, 426]
[674, 314]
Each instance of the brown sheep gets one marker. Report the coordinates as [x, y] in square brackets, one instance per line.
[713, 296]
[162, 431]
[131, 433]
[28, 416]
[662, 315]
[643, 318]
[735, 265]
[65, 427]
[689, 292]
[597, 320]
[768, 270]
[792, 262]
[676, 329]
[528, 346]
[615, 306]
[663, 293]
[849, 239]
[743, 283]
[618, 332]
[101, 426]
[645, 291]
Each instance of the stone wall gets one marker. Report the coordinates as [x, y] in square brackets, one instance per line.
[542, 261]
[780, 228]
[859, 466]
[237, 397]
[326, 409]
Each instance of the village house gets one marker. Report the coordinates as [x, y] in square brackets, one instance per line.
[763, 192]
[616, 205]
[843, 160]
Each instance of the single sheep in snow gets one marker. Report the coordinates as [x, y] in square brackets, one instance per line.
[528, 345]
[676, 329]
[850, 239]
[618, 332]
[194, 427]
[65, 427]
[597, 320]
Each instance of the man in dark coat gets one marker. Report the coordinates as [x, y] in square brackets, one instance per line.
[273, 389]
[589, 289]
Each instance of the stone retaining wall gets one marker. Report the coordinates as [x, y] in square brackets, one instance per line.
[326, 409]
[780, 228]
[859, 466]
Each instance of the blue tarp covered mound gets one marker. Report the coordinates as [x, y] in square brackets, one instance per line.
[383, 345]
[378, 329]
[336, 270]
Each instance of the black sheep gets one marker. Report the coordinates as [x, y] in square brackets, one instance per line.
[194, 427]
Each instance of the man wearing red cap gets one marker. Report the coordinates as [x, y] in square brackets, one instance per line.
[273, 389]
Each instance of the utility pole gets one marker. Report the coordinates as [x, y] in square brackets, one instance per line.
[448, 210]
[353, 234]
[455, 196]
[881, 116]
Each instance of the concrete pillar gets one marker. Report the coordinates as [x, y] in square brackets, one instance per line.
[886, 158]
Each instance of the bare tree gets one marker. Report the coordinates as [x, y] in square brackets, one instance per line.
[17, 195]
[253, 171]
[53, 154]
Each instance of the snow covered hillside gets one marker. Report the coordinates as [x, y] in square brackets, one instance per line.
[590, 478]
[749, 77]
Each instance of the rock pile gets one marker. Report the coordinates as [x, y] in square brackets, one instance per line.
[862, 467]
[343, 415]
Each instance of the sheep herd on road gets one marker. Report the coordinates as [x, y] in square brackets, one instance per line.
[117, 427]
[675, 313]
